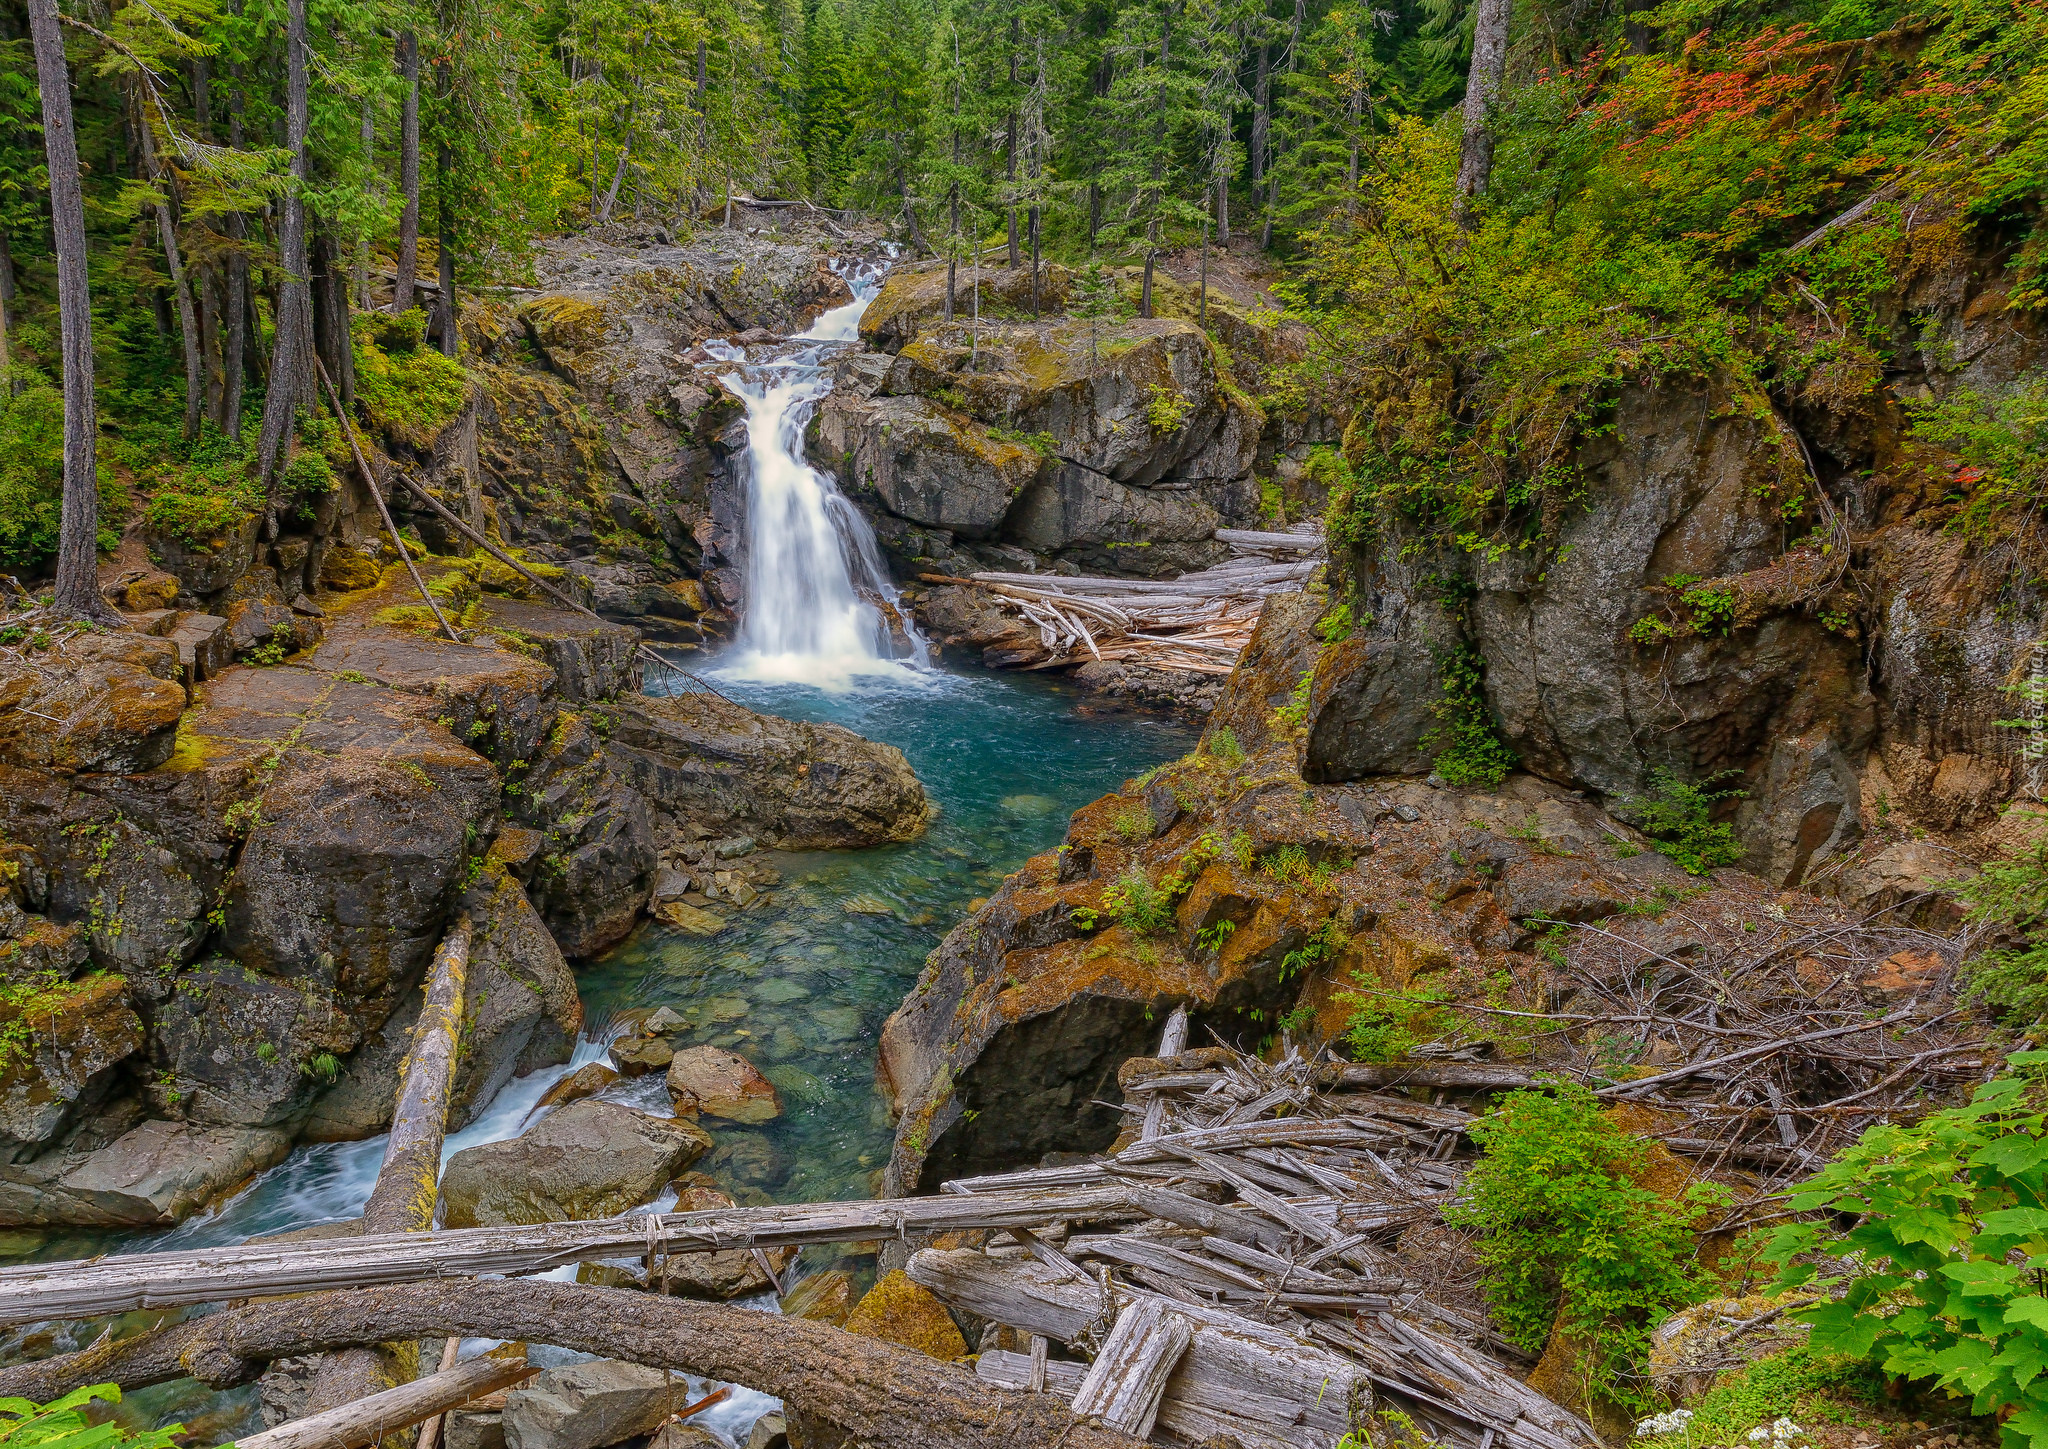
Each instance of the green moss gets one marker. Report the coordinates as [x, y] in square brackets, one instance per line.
[408, 389]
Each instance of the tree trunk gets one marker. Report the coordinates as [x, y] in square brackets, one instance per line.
[1482, 89]
[403, 286]
[78, 590]
[1262, 116]
[331, 341]
[1010, 147]
[880, 1393]
[6, 314]
[206, 274]
[444, 239]
[235, 304]
[174, 266]
[288, 359]
[360, 289]
[379, 1417]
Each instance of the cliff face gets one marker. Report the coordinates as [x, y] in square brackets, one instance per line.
[1771, 595]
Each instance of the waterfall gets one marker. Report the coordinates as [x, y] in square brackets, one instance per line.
[814, 573]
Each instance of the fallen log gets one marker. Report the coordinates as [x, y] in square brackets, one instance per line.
[367, 1421]
[95, 1287]
[874, 1390]
[408, 1182]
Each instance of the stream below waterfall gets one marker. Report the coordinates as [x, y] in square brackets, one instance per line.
[801, 982]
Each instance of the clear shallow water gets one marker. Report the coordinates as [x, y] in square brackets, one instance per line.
[802, 985]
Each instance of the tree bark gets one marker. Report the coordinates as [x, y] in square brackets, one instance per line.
[1482, 89]
[94, 1287]
[78, 590]
[331, 340]
[235, 304]
[174, 267]
[875, 1390]
[403, 285]
[370, 1420]
[288, 358]
[408, 1182]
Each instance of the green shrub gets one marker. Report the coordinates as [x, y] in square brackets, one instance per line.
[195, 516]
[1136, 904]
[309, 474]
[2010, 894]
[1469, 750]
[1337, 624]
[1678, 813]
[1294, 714]
[1387, 1026]
[2002, 439]
[1944, 1246]
[1570, 1236]
[64, 1424]
[1133, 824]
[32, 480]
[1223, 746]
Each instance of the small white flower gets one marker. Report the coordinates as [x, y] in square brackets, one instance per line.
[1759, 1434]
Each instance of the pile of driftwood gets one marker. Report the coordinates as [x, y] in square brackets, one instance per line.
[1199, 621]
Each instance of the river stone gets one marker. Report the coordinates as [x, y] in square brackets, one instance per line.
[157, 1174]
[464, 1430]
[685, 1436]
[704, 1080]
[779, 991]
[771, 1431]
[589, 1159]
[636, 1056]
[838, 1023]
[586, 1081]
[824, 1297]
[787, 783]
[688, 918]
[104, 702]
[598, 870]
[590, 1405]
[729, 1273]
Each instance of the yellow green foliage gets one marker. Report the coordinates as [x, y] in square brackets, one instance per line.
[408, 389]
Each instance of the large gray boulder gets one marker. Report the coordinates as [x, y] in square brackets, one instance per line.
[1102, 524]
[598, 857]
[928, 463]
[590, 1159]
[590, 1405]
[102, 702]
[786, 783]
[157, 1174]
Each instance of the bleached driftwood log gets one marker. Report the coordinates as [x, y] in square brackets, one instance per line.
[1199, 621]
[94, 1287]
[368, 1421]
[1124, 1385]
[408, 1183]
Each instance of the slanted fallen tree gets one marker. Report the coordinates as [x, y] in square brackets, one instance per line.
[874, 1390]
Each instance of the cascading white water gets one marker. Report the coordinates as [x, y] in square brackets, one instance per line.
[813, 568]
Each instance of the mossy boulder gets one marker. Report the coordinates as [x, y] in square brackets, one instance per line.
[102, 702]
[59, 1046]
[898, 1311]
[928, 463]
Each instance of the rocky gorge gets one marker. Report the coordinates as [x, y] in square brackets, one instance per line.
[232, 836]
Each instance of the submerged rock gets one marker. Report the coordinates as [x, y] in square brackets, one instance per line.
[704, 1081]
[898, 1311]
[589, 1159]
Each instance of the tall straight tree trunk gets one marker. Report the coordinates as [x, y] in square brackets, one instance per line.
[206, 277]
[78, 590]
[6, 314]
[174, 266]
[360, 288]
[236, 305]
[1262, 116]
[331, 341]
[1482, 89]
[288, 358]
[1272, 171]
[444, 235]
[1010, 147]
[403, 286]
